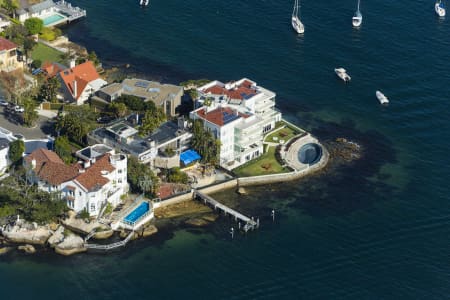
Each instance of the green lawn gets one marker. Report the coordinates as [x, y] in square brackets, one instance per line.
[283, 134]
[44, 53]
[264, 165]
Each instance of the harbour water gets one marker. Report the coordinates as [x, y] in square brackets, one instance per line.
[378, 228]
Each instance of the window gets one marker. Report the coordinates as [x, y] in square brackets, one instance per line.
[120, 171]
[79, 194]
[92, 207]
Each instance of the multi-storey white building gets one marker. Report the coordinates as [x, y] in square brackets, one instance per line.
[239, 114]
[100, 177]
[4, 149]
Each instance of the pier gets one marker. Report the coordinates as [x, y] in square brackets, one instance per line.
[249, 223]
[110, 246]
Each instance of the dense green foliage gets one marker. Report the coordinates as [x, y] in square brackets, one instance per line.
[118, 109]
[178, 176]
[34, 25]
[30, 115]
[76, 123]
[64, 149]
[141, 178]
[135, 103]
[195, 82]
[205, 143]
[152, 119]
[49, 90]
[16, 149]
[10, 6]
[50, 33]
[16, 33]
[19, 198]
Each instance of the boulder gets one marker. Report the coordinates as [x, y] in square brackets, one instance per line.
[102, 235]
[27, 233]
[149, 230]
[57, 237]
[197, 222]
[241, 191]
[210, 217]
[71, 244]
[5, 250]
[27, 248]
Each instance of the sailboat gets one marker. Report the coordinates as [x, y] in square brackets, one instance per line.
[439, 8]
[143, 2]
[296, 23]
[357, 17]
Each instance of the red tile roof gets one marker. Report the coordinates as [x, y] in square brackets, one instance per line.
[219, 115]
[51, 68]
[92, 177]
[50, 168]
[6, 44]
[82, 74]
[241, 92]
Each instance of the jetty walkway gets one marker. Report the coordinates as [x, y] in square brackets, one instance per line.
[110, 246]
[249, 223]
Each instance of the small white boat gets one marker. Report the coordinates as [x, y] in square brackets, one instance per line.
[295, 20]
[144, 2]
[342, 74]
[382, 98]
[357, 17]
[439, 8]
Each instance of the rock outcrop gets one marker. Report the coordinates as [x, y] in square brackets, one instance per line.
[27, 248]
[70, 245]
[57, 237]
[27, 233]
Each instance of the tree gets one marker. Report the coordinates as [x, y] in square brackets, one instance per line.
[119, 109]
[133, 103]
[63, 149]
[141, 178]
[49, 90]
[16, 33]
[77, 123]
[92, 56]
[152, 119]
[11, 6]
[34, 25]
[30, 115]
[205, 143]
[28, 44]
[16, 150]
[178, 176]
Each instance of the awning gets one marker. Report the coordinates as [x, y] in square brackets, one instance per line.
[189, 156]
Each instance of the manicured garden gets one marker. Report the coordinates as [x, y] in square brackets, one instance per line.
[263, 165]
[284, 134]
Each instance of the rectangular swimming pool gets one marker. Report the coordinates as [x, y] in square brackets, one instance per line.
[138, 212]
[53, 19]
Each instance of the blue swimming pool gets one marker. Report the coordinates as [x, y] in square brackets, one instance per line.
[52, 19]
[310, 154]
[137, 212]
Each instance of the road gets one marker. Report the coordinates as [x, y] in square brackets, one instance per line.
[43, 128]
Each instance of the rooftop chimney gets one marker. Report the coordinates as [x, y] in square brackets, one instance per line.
[72, 63]
[75, 88]
[33, 164]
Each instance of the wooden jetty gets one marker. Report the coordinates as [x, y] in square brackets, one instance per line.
[249, 223]
[110, 246]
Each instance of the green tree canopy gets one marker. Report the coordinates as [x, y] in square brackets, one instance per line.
[34, 25]
[16, 150]
[49, 90]
[151, 120]
[77, 123]
[178, 176]
[118, 109]
[30, 115]
[205, 143]
[64, 149]
[10, 6]
[141, 178]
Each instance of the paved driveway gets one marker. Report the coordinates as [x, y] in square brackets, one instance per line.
[44, 127]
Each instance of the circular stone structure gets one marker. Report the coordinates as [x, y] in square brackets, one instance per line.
[310, 153]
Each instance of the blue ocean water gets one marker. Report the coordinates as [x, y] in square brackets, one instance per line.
[375, 229]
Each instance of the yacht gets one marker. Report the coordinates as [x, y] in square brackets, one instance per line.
[357, 17]
[342, 74]
[439, 8]
[296, 23]
[382, 98]
[144, 2]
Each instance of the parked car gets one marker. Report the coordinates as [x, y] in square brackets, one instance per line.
[3, 102]
[19, 109]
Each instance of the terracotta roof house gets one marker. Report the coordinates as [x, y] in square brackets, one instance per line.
[86, 185]
[52, 69]
[8, 56]
[80, 82]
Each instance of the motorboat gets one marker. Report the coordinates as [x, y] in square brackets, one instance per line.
[357, 17]
[342, 74]
[295, 20]
[382, 98]
[143, 2]
[439, 8]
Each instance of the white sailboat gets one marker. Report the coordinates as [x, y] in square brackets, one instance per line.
[296, 23]
[357, 17]
[439, 8]
[382, 98]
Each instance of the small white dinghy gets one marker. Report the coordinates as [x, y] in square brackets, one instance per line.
[342, 74]
[382, 98]
[439, 8]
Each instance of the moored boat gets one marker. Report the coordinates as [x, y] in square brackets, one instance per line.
[357, 17]
[342, 74]
[295, 20]
[439, 8]
[382, 98]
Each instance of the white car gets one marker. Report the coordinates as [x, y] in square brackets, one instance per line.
[19, 109]
[3, 102]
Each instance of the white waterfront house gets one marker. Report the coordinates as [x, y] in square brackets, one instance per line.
[4, 161]
[100, 177]
[51, 13]
[239, 114]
